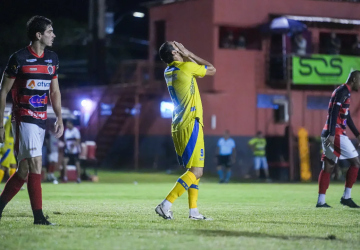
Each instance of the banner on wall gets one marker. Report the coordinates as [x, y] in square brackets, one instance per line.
[323, 69]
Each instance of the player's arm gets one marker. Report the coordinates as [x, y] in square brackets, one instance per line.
[6, 85]
[351, 124]
[210, 69]
[55, 98]
[339, 99]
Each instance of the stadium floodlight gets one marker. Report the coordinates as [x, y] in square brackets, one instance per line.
[138, 14]
[86, 104]
[166, 109]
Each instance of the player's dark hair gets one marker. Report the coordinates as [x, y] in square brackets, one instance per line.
[355, 73]
[165, 52]
[37, 24]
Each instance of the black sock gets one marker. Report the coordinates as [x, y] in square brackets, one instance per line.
[2, 206]
[38, 214]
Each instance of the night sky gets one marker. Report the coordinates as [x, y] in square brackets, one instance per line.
[11, 10]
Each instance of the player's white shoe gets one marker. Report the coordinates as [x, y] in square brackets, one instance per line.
[166, 214]
[199, 217]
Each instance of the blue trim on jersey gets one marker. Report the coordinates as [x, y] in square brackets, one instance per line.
[171, 68]
[183, 183]
[205, 66]
[191, 144]
[194, 186]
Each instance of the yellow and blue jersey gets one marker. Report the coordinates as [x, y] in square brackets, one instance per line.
[184, 92]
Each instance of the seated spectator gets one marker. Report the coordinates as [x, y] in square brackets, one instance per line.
[228, 42]
[241, 44]
[334, 45]
[356, 46]
[299, 44]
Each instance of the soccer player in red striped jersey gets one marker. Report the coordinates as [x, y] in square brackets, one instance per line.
[31, 75]
[335, 143]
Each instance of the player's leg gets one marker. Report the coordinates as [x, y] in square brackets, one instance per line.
[351, 177]
[185, 144]
[13, 185]
[257, 165]
[78, 169]
[65, 163]
[220, 170]
[12, 169]
[34, 189]
[2, 173]
[324, 181]
[265, 168]
[228, 169]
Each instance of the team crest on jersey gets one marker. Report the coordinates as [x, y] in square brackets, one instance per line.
[31, 84]
[50, 70]
[38, 101]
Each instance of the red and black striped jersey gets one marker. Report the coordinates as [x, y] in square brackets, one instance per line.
[30, 92]
[338, 113]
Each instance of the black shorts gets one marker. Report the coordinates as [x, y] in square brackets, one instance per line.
[73, 158]
[224, 160]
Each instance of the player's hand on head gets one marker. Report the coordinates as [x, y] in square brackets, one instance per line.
[59, 129]
[183, 51]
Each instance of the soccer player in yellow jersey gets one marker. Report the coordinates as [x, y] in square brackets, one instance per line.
[187, 123]
[9, 161]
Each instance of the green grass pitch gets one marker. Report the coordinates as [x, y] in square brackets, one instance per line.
[116, 213]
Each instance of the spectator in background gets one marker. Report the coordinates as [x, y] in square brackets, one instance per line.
[241, 44]
[228, 42]
[72, 149]
[356, 46]
[226, 155]
[334, 45]
[299, 45]
[53, 150]
[258, 145]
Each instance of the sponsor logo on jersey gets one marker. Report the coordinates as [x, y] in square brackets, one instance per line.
[38, 101]
[48, 61]
[38, 84]
[31, 84]
[31, 60]
[33, 69]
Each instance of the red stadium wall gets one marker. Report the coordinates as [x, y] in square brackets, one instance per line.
[232, 94]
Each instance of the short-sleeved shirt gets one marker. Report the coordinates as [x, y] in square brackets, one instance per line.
[70, 138]
[260, 145]
[30, 91]
[226, 146]
[184, 92]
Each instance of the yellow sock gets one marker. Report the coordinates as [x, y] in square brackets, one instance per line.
[1, 175]
[182, 184]
[12, 171]
[193, 193]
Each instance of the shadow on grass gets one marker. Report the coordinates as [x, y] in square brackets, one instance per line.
[314, 224]
[225, 233]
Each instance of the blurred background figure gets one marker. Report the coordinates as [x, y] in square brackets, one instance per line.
[53, 156]
[334, 44]
[226, 156]
[356, 46]
[72, 149]
[258, 145]
[299, 45]
[8, 161]
[228, 42]
[241, 43]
